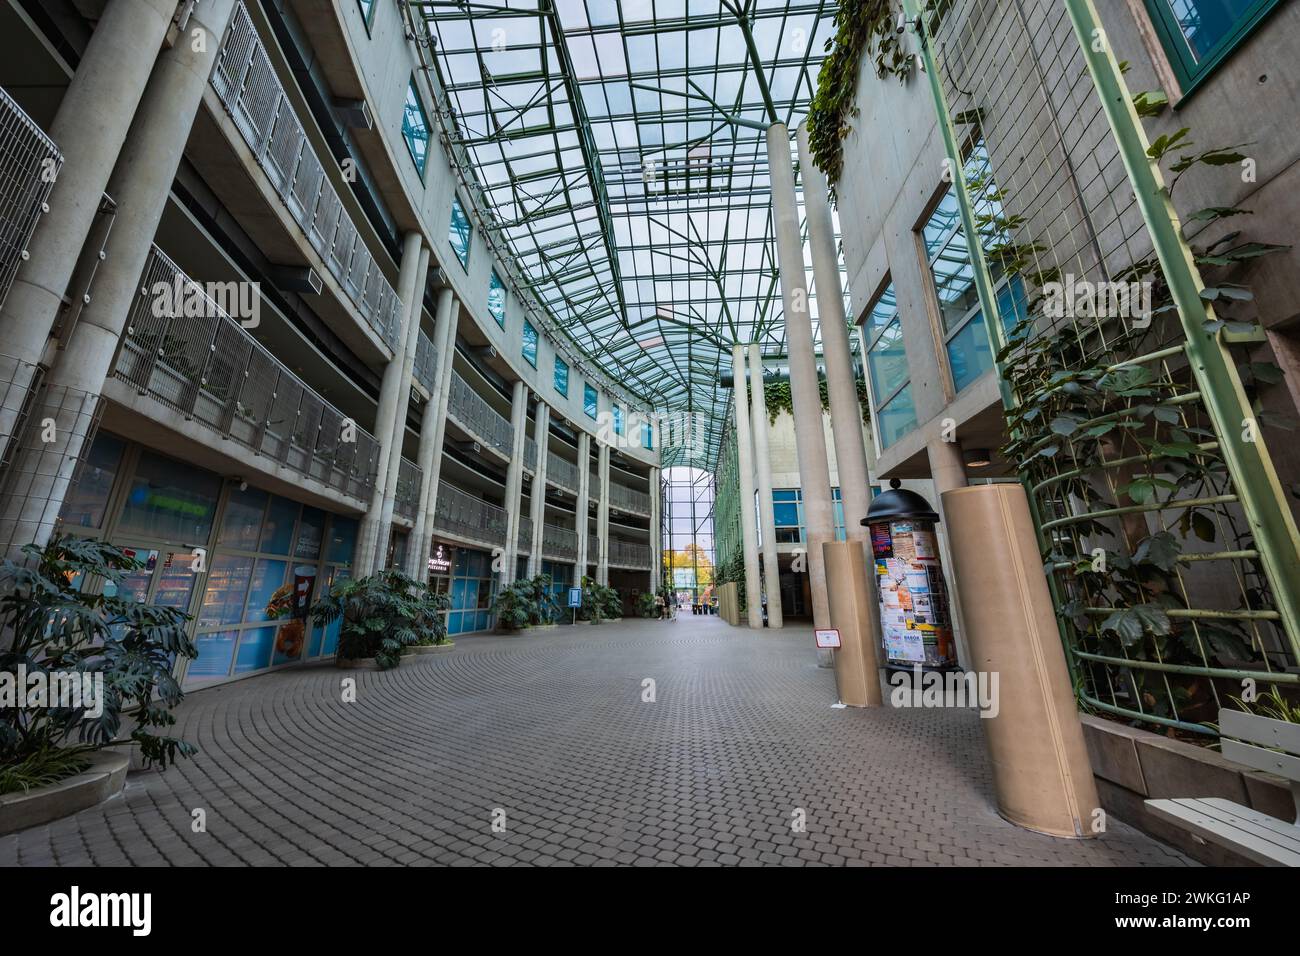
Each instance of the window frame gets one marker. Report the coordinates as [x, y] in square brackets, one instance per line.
[555, 376]
[413, 89]
[590, 409]
[528, 337]
[367, 16]
[496, 285]
[458, 207]
[879, 405]
[1178, 52]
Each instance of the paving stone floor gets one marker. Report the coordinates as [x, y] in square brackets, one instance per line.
[549, 733]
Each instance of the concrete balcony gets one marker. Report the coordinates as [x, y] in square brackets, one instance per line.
[629, 554]
[469, 518]
[475, 416]
[629, 500]
[410, 482]
[559, 544]
[426, 363]
[561, 473]
[214, 373]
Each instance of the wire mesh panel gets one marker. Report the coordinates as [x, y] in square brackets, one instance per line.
[530, 454]
[426, 362]
[460, 514]
[1131, 454]
[629, 554]
[524, 541]
[410, 482]
[29, 164]
[559, 544]
[561, 473]
[472, 412]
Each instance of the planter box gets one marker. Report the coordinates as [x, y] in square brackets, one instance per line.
[104, 778]
[368, 663]
[417, 649]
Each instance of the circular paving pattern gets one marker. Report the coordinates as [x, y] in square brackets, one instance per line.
[540, 749]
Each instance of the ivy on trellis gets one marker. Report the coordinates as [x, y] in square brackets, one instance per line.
[778, 398]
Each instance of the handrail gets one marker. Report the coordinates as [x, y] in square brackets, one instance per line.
[29, 164]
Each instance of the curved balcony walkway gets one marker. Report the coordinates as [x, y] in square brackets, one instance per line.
[550, 727]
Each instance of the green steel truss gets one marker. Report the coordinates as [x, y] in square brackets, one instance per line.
[618, 153]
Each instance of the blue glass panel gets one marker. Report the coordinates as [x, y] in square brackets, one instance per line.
[415, 127]
[496, 300]
[254, 649]
[215, 653]
[897, 418]
[589, 400]
[561, 376]
[968, 353]
[530, 344]
[459, 233]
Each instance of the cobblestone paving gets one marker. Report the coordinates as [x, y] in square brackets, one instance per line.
[551, 728]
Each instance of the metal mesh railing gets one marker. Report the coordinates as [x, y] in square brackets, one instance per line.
[559, 544]
[624, 498]
[201, 363]
[426, 362]
[29, 165]
[629, 554]
[410, 483]
[561, 473]
[248, 87]
[524, 541]
[1135, 457]
[473, 413]
[468, 517]
[530, 454]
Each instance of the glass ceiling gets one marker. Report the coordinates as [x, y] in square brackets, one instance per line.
[635, 209]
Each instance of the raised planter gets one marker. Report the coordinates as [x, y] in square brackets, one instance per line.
[412, 650]
[418, 649]
[104, 778]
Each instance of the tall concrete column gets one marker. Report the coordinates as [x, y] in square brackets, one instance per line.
[411, 346]
[841, 384]
[814, 472]
[444, 338]
[583, 504]
[368, 556]
[417, 551]
[656, 531]
[537, 510]
[89, 129]
[514, 480]
[948, 473]
[745, 465]
[602, 515]
[766, 512]
[42, 470]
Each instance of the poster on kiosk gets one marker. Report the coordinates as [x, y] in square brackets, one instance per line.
[915, 625]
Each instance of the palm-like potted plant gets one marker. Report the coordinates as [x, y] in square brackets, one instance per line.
[382, 615]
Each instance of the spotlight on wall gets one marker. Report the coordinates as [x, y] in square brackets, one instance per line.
[976, 457]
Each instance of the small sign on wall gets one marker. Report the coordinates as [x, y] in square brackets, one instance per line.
[575, 597]
[827, 637]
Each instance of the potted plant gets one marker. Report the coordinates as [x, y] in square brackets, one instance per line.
[515, 606]
[117, 652]
[645, 604]
[382, 615]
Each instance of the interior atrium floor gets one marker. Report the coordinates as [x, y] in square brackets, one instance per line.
[540, 749]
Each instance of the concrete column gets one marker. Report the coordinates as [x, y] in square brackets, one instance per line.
[89, 129]
[412, 344]
[444, 337]
[368, 555]
[141, 181]
[656, 531]
[745, 465]
[514, 480]
[841, 384]
[602, 516]
[763, 467]
[948, 473]
[583, 503]
[814, 472]
[417, 552]
[537, 512]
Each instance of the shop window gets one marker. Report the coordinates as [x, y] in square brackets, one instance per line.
[561, 376]
[589, 400]
[227, 585]
[459, 233]
[343, 540]
[84, 505]
[496, 299]
[254, 649]
[891, 388]
[277, 532]
[216, 652]
[267, 578]
[311, 530]
[415, 127]
[170, 501]
[242, 521]
[1198, 35]
[530, 344]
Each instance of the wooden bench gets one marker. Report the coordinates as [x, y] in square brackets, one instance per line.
[1250, 833]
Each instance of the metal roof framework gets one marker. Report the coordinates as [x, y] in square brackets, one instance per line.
[618, 146]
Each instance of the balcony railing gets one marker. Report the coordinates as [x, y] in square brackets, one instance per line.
[593, 550]
[629, 554]
[249, 89]
[410, 483]
[426, 362]
[463, 515]
[561, 473]
[29, 163]
[472, 412]
[212, 371]
[525, 541]
[530, 455]
[624, 498]
[559, 544]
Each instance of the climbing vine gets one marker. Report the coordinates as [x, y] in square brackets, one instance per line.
[778, 397]
[860, 25]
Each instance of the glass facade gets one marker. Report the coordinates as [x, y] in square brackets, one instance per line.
[530, 344]
[689, 553]
[618, 420]
[230, 556]
[647, 436]
[459, 236]
[891, 389]
[415, 127]
[561, 376]
[787, 514]
[589, 400]
[466, 576]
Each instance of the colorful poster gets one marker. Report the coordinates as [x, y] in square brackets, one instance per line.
[902, 644]
[925, 545]
[881, 544]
